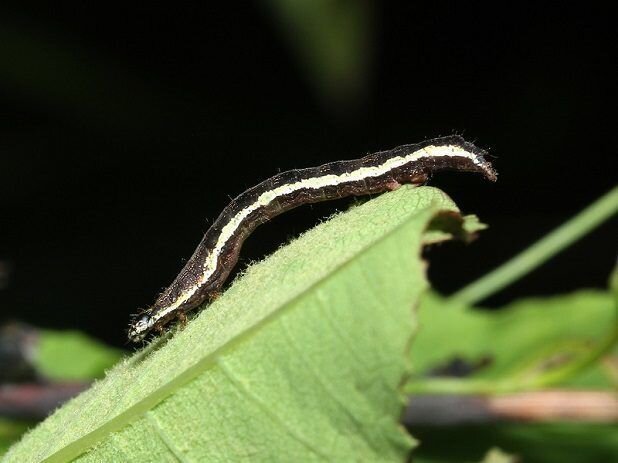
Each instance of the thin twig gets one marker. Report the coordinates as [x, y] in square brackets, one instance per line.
[536, 407]
[35, 401]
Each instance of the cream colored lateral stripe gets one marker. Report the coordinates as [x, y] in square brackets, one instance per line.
[310, 183]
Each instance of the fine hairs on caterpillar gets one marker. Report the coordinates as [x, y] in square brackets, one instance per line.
[206, 271]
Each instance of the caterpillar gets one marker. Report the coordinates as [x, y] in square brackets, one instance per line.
[217, 253]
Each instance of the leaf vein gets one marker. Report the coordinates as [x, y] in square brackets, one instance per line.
[358, 423]
[167, 440]
[341, 335]
[243, 389]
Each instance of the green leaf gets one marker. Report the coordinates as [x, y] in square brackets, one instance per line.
[520, 346]
[300, 360]
[72, 356]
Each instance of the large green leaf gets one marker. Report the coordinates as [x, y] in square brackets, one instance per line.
[301, 359]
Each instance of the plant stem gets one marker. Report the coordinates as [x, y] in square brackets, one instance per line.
[453, 386]
[507, 273]
[581, 406]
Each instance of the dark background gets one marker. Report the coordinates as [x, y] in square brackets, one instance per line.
[124, 130]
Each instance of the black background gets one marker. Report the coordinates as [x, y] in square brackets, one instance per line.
[123, 129]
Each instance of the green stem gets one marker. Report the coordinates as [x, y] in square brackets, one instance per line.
[507, 273]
